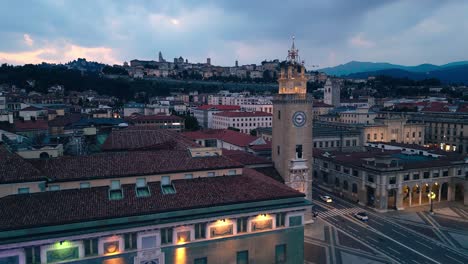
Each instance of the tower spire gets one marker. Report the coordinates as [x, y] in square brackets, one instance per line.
[293, 53]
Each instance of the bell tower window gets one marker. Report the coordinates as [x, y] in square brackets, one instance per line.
[298, 151]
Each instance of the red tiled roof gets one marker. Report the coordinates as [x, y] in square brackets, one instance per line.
[219, 107]
[13, 168]
[226, 135]
[31, 125]
[121, 164]
[261, 147]
[81, 205]
[242, 114]
[436, 107]
[245, 157]
[143, 138]
[65, 120]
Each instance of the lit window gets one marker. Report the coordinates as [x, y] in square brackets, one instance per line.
[85, 185]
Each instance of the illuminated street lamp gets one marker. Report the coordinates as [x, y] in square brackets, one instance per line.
[431, 196]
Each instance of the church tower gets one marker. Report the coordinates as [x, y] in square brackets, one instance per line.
[292, 126]
[331, 94]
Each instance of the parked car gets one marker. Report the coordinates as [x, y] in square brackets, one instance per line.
[362, 216]
[326, 198]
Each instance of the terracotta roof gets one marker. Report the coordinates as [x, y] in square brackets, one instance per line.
[13, 168]
[226, 135]
[62, 121]
[244, 157]
[31, 125]
[219, 107]
[121, 164]
[261, 147]
[242, 114]
[138, 138]
[80, 205]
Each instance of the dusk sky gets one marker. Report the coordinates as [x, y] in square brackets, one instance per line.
[328, 32]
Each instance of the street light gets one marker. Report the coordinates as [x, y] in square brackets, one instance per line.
[431, 196]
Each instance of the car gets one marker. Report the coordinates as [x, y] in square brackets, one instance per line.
[361, 216]
[326, 198]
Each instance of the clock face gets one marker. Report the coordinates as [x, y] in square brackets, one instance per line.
[299, 119]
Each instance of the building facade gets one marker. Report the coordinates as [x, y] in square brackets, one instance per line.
[388, 177]
[204, 113]
[292, 126]
[244, 121]
[167, 206]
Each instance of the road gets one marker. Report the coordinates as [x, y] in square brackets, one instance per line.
[385, 235]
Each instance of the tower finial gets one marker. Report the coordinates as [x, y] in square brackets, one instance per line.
[293, 38]
[293, 53]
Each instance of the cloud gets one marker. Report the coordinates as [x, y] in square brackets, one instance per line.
[60, 52]
[28, 40]
[359, 41]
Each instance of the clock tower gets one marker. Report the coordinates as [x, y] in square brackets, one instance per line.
[292, 126]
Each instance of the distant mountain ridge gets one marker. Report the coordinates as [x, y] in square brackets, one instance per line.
[353, 67]
[450, 74]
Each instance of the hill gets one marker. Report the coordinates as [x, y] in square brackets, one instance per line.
[450, 74]
[358, 67]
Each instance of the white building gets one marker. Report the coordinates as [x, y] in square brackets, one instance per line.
[204, 113]
[244, 121]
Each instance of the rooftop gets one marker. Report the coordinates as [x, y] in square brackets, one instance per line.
[226, 135]
[242, 114]
[13, 168]
[161, 117]
[22, 126]
[121, 164]
[245, 158]
[142, 138]
[81, 205]
[219, 107]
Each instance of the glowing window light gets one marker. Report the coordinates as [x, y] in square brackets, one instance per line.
[111, 248]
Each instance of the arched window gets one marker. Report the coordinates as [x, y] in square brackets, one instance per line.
[354, 188]
[44, 155]
[345, 185]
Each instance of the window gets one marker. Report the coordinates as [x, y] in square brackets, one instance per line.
[445, 173]
[426, 175]
[338, 167]
[295, 220]
[420, 134]
[54, 188]
[165, 180]
[345, 185]
[354, 142]
[435, 174]
[33, 255]
[242, 224]
[211, 174]
[354, 188]
[115, 185]
[392, 180]
[200, 261]
[188, 176]
[459, 172]
[166, 235]
[414, 134]
[200, 231]
[23, 190]
[142, 189]
[149, 242]
[91, 247]
[406, 177]
[130, 241]
[370, 178]
[348, 143]
[375, 136]
[243, 257]
[368, 136]
[280, 254]
[415, 176]
[278, 150]
[381, 136]
[280, 219]
[279, 114]
[84, 185]
[355, 173]
[346, 170]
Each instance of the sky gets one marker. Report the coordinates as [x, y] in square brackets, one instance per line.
[327, 32]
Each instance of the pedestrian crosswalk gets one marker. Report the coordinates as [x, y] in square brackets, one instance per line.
[337, 212]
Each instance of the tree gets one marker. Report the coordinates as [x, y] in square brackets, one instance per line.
[191, 123]
[253, 132]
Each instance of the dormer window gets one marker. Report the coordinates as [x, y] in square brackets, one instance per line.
[115, 192]
[142, 189]
[166, 185]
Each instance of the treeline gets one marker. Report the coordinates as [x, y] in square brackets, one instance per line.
[39, 78]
